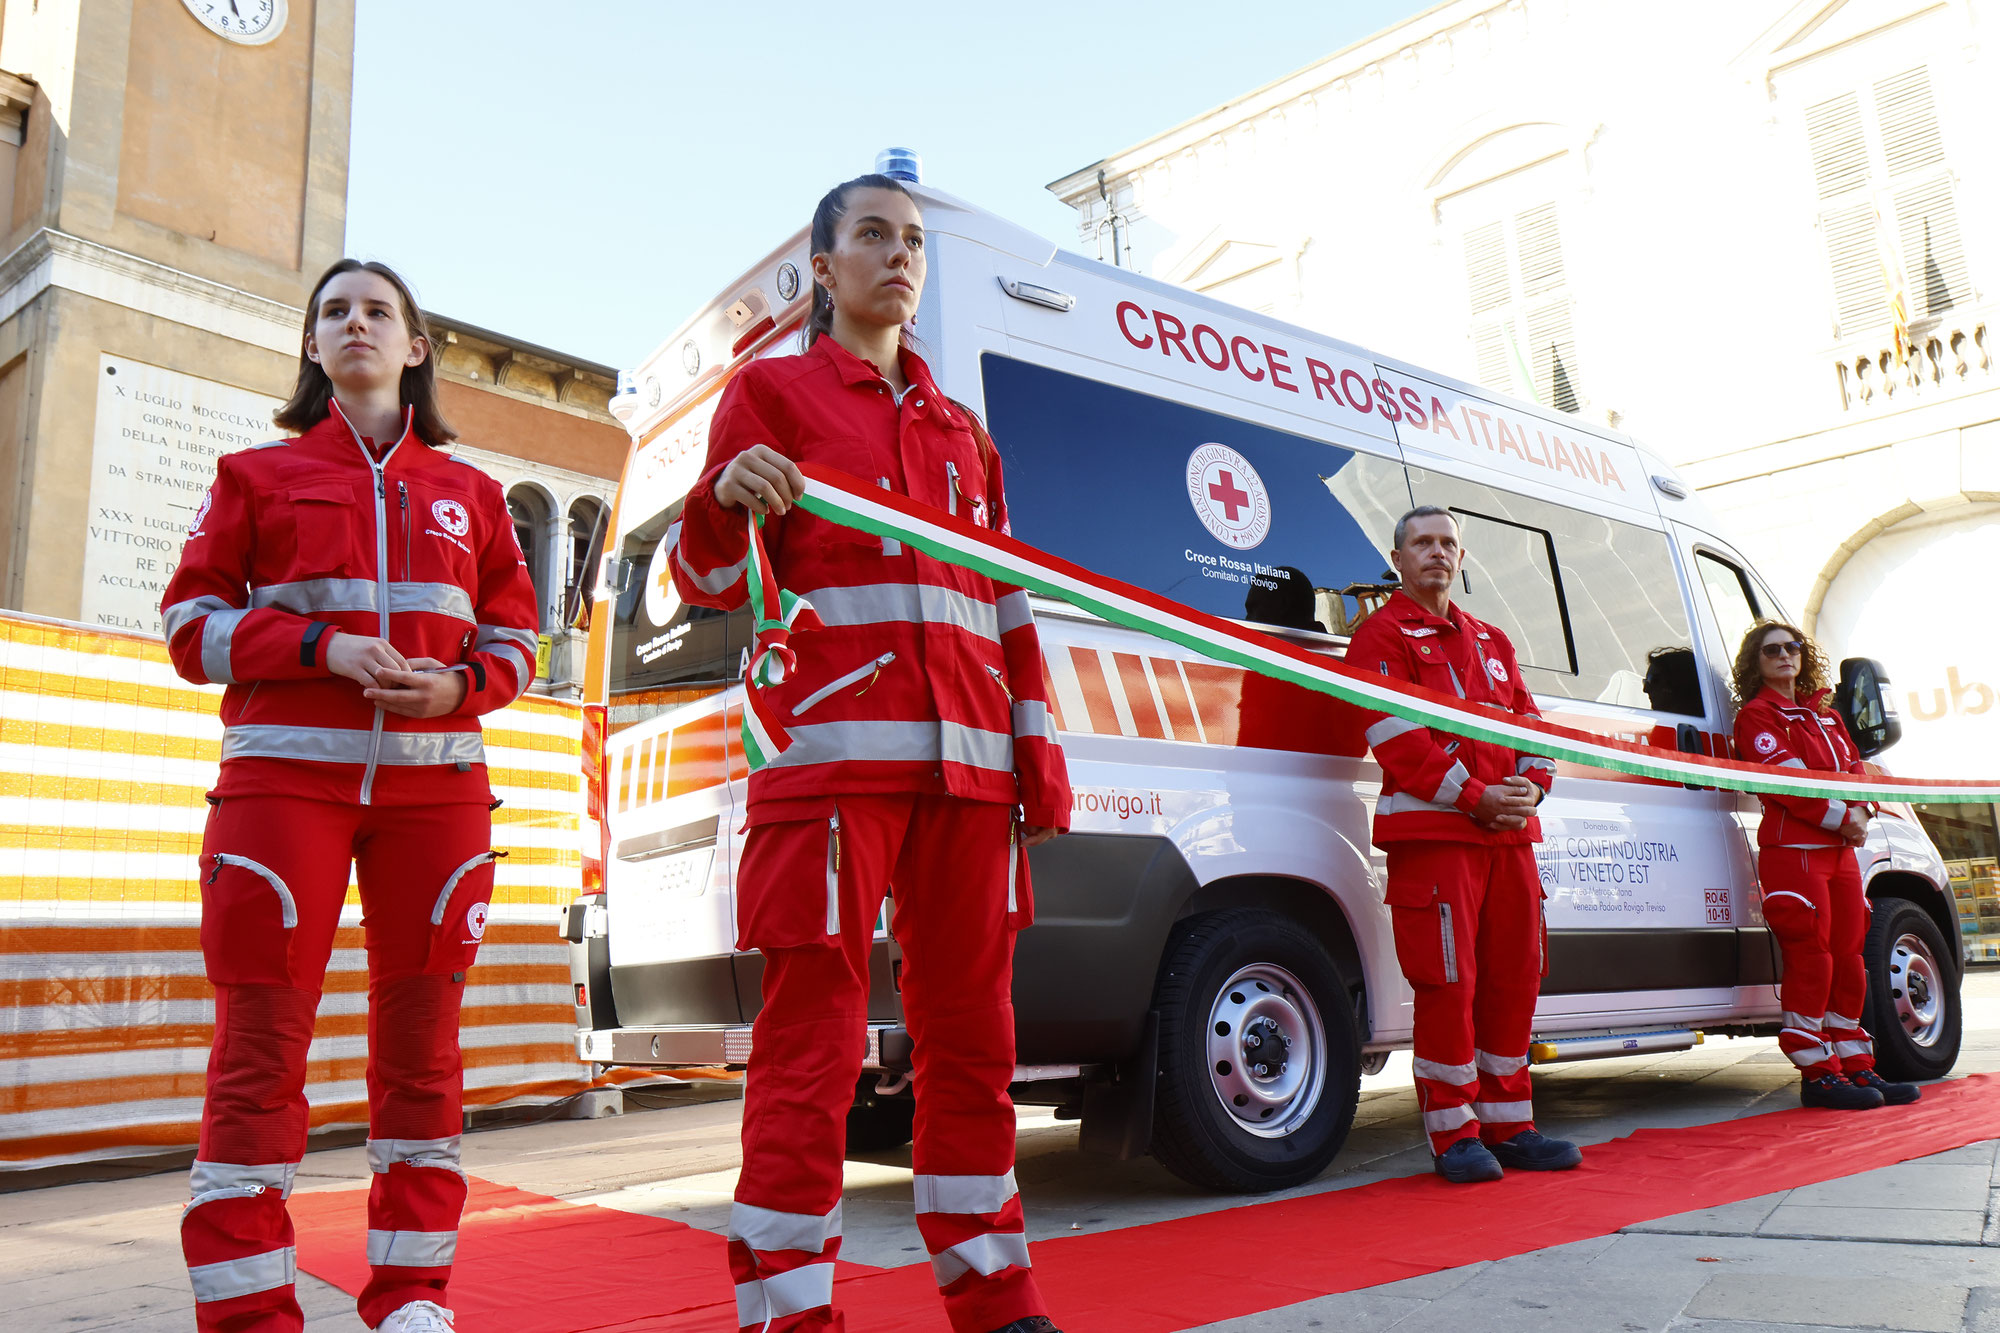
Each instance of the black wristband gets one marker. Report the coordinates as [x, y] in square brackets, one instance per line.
[309, 645]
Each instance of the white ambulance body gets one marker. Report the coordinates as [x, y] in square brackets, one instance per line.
[1218, 886]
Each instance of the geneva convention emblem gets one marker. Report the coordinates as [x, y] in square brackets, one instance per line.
[475, 921]
[451, 516]
[1228, 496]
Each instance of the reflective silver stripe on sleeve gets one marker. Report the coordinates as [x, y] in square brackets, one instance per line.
[1014, 611]
[766, 1229]
[716, 581]
[342, 745]
[1031, 718]
[760, 1302]
[315, 595]
[489, 635]
[412, 1249]
[1402, 803]
[897, 742]
[176, 617]
[1503, 1113]
[206, 1176]
[1835, 816]
[1391, 727]
[1453, 1074]
[984, 1255]
[441, 1153]
[1837, 1022]
[905, 603]
[1529, 763]
[1790, 763]
[444, 894]
[215, 637]
[1799, 1021]
[1451, 1117]
[964, 1194]
[1501, 1065]
[1454, 782]
[244, 1277]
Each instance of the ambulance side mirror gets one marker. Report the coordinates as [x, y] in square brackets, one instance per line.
[1863, 702]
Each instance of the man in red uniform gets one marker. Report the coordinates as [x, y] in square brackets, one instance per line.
[1457, 822]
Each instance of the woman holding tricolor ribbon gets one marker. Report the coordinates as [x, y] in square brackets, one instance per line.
[1813, 899]
[899, 733]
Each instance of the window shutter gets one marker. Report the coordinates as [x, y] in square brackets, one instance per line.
[1933, 257]
[1903, 108]
[1834, 138]
[1853, 255]
[1489, 352]
[1486, 268]
[1552, 356]
[1541, 250]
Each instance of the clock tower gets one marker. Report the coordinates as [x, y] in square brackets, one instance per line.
[173, 177]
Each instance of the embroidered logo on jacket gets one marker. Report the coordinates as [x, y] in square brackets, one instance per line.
[475, 922]
[1496, 669]
[451, 516]
[194, 528]
[1765, 743]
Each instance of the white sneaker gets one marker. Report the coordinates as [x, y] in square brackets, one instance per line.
[418, 1317]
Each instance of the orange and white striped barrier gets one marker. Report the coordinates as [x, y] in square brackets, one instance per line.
[105, 1015]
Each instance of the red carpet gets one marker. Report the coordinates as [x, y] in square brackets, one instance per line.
[530, 1264]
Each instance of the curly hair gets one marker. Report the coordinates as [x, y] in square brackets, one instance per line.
[1814, 674]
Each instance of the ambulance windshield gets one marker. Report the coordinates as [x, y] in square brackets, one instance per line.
[1235, 519]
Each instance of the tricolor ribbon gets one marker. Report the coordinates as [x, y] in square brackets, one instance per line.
[842, 499]
[771, 655]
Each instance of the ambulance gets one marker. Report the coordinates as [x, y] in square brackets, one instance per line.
[1211, 969]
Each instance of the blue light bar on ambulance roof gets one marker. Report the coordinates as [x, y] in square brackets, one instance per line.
[900, 164]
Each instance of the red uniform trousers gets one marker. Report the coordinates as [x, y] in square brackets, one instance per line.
[274, 875]
[1468, 923]
[1815, 905]
[812, 892]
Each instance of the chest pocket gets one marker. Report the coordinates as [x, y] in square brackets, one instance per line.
[433, 538]
[323, 531]
[962, 474]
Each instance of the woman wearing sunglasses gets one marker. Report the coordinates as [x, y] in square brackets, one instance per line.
[1813, 899]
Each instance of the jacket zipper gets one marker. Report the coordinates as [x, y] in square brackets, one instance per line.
[951, 490]
[403, 502]
[226, 1192]
[868, 669]
[833, 873]
[287, 907]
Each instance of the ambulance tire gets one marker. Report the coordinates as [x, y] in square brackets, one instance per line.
[876, 1123]
[1244, 991]
[1914, 1011]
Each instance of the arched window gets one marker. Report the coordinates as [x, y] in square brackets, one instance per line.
[531, 511]
[586, 516]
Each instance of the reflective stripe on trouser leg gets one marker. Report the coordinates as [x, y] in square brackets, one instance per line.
[230, 1278]
[766, 1301]
[985, 1255]
[783, 1264]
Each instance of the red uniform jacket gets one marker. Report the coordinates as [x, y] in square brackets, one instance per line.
[1805, 734]
[927, 677]
[1431, 780]
[303, 537]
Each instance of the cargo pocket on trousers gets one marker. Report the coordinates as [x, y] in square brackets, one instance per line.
[788, 888]
[458, 917]
[1426, 936]
[248, 920]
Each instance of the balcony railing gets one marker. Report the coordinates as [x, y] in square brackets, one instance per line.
[1946, 357]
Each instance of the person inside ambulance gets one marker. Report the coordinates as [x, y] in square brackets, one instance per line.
[361, 596]
[1813, 899]
[920, 752]
[1456, 820]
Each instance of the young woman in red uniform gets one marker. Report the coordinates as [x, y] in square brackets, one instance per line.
[920, 752]
[1813, 899]
[361, 595]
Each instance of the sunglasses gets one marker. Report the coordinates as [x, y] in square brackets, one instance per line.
[1789, 648]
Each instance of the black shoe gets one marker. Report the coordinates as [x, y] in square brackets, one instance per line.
[1893, 1094]
[1835, 1093]
[1529, 1151]
[1467, 1162]
[1034, 1323]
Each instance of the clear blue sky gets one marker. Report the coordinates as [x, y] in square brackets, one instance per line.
[583, 174]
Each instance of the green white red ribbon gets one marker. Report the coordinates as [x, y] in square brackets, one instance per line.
[776, 614]
[842, 499]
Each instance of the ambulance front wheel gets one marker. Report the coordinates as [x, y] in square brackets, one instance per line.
[1914, 1011]
[1259, 1067]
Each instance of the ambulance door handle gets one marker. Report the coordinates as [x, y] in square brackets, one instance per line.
[1035, 294]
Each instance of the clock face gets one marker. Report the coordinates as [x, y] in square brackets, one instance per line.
[246, 22]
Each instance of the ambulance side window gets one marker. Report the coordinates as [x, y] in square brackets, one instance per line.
[1236, 519]
[1592, 604]
[664, 651]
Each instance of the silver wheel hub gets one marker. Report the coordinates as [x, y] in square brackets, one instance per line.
[1916, 985]
[1266, 1050]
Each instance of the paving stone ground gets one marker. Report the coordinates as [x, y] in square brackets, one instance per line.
[1909, 1247]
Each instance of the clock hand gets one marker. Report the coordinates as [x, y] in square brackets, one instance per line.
[234, 10]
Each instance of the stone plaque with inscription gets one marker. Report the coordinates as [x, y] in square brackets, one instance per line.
[158, 434]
